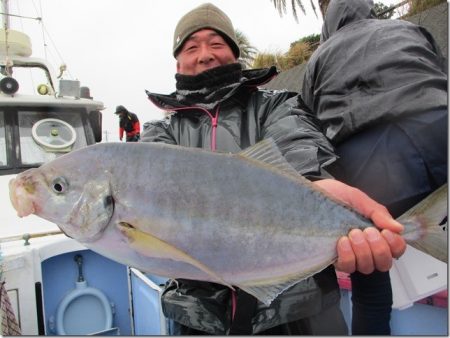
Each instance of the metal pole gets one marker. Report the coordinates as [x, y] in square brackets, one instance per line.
[5, 11]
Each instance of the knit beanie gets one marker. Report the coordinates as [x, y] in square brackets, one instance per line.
[205, 16]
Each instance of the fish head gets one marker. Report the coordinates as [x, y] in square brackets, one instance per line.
[80, 205]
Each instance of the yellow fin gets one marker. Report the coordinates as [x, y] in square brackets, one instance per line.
[151, 246]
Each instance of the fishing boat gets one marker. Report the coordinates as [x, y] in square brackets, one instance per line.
[49, 280]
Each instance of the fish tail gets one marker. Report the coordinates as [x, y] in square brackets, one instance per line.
[426, 225]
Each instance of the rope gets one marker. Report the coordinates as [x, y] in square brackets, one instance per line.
[9, 325]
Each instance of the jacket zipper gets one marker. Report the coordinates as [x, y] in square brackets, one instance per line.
[214, 120]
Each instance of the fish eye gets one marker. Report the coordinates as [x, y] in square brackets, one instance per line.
[59, 185]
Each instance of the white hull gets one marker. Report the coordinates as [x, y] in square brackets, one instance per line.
[22, 270]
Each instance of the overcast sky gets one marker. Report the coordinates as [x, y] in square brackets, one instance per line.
[119, 48]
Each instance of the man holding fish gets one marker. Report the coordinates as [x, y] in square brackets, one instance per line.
[250, 228]
[217, 106]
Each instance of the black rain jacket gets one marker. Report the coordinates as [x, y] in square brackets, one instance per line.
[242, 118]
[368, 71]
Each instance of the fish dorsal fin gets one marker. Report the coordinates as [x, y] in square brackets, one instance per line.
[267, 151]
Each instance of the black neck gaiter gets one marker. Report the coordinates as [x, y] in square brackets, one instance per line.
[209, 87]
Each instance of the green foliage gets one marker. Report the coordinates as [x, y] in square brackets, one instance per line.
[299, 53]
[265, 60]
[312, 40]
[248, 52]
[379, 8]
[280, 5]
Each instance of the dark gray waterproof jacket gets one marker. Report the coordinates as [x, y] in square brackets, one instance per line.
[242, 118]
[368, 71]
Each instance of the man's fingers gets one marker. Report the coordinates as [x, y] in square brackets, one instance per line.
[346, 261]
[361, 202]
[368, 250]
[383, 220]
[362, 250]
[381, 252]
[396, 243]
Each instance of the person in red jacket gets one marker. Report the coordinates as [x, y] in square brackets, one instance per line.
[129, 123]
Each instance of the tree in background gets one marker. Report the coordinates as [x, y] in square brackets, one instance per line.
[265, 60]
[381, 8]
[299, 52]
[415, 6]
[280, 5]
[248, 52]
[312, 39]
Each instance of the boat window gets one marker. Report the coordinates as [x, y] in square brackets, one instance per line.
[2, 140]
[53, 135]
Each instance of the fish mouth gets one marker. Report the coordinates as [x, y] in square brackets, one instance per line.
[19, 194]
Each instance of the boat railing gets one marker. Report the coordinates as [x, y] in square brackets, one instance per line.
[27, 236]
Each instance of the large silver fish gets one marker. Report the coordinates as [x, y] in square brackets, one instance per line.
[247, 220]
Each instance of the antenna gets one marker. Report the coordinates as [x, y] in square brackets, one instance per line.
[5, 11]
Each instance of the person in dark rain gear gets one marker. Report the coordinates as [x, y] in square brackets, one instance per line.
[128, 124]
[380, 89]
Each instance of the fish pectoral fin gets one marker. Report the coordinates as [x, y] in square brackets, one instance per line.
[151, 246]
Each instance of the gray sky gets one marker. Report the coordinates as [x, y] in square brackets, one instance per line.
[119, 48]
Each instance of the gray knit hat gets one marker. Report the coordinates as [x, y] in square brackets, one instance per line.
[205, 16]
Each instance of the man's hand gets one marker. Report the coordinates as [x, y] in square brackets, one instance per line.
[367, 250]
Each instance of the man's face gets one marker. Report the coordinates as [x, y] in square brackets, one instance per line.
[203, 50]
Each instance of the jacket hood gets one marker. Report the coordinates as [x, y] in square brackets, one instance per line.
[253, 79]
[344, 12]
